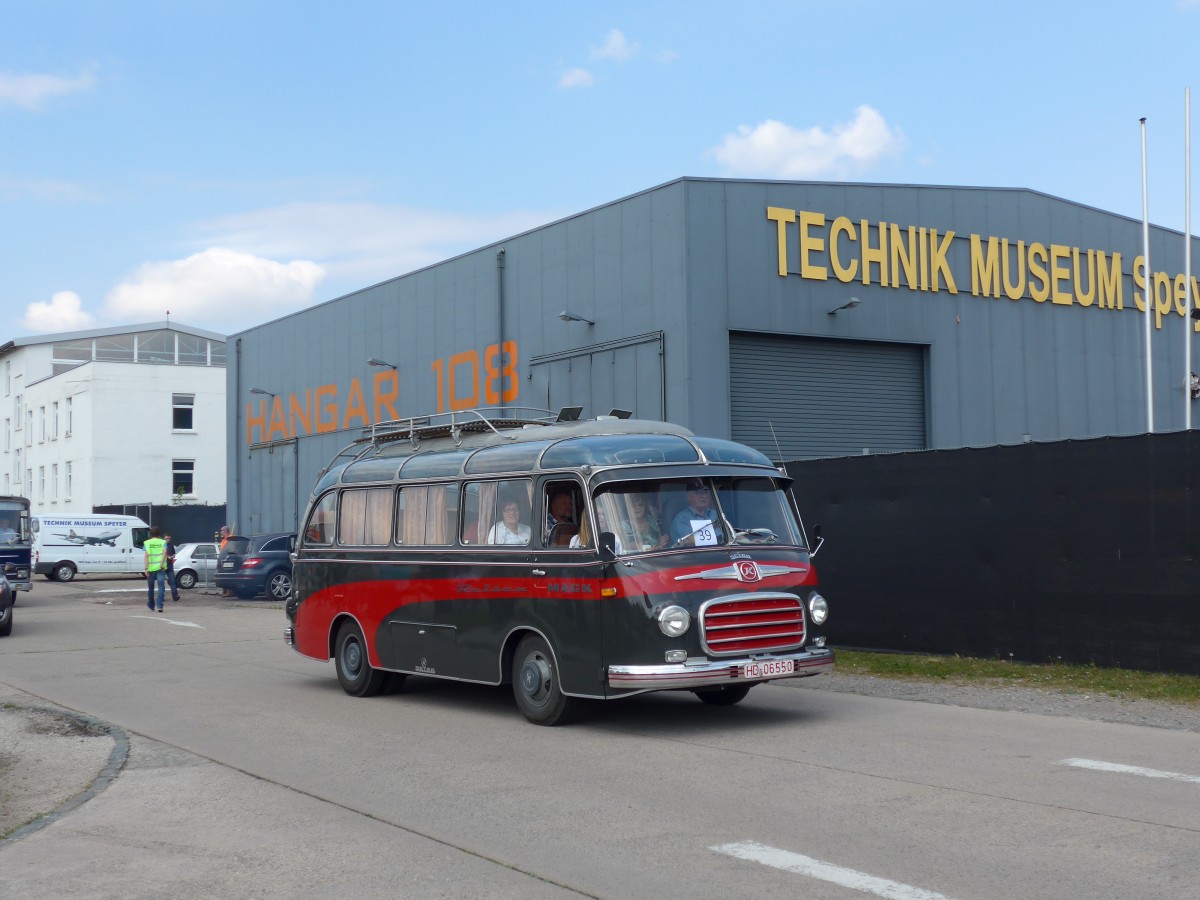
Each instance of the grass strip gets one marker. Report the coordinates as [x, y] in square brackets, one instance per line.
[1072, 679]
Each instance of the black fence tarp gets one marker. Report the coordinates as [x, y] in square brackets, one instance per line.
[186, 523]
[1079, 551]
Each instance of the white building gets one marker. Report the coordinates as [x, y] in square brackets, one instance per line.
[127, 415]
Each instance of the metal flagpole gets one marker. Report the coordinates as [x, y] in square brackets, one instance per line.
[1149, 288]
[1187, 258]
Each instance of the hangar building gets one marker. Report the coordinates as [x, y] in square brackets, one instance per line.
[806, 319]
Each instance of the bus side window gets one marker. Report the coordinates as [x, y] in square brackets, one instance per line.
[321, 522]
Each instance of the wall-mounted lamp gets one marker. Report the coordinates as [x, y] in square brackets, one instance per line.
[376, 361]
[261, 391]
[571, 317]
[849, 304]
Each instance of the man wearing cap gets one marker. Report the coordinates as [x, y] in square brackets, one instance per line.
[688, 527]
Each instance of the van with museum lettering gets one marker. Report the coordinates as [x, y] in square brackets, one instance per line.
[80, 544]
[571, 559]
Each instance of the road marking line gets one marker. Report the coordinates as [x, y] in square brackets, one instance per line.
[1100, 766]
[169, 621]
[814, 868]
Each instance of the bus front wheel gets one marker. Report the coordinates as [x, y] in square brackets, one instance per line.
[724, 696]
[535, 684]
[354, 670]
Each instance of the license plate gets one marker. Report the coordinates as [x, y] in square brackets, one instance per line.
[227, 565]
[767, 668]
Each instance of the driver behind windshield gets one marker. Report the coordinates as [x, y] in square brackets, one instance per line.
[690, 525]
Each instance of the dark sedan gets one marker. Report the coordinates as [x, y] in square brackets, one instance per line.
[261, 563]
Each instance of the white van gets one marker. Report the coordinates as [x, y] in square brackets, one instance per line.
[64, 546]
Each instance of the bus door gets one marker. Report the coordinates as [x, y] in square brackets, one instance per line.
[567, 577]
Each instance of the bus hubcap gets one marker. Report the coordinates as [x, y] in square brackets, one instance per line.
[535, 679]
[352, 657]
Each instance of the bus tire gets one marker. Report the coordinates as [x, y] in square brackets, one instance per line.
[64, 571]
[536, 686]
[354, 670]
[724, 696]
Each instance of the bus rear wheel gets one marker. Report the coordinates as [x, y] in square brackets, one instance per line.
[535, 684]
[724, 696]
[354, 670]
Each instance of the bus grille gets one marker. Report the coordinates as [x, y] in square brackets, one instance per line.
[753, 625]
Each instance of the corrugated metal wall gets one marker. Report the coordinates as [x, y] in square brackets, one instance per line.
[808, 397]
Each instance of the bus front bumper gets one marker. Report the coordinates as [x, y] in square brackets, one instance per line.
[704, 672]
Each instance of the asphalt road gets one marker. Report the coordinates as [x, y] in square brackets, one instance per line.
[249, 773]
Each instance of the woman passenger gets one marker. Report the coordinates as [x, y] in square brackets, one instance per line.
[510, 529]
[644, 531]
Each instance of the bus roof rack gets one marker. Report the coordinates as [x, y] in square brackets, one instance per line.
[455, 424]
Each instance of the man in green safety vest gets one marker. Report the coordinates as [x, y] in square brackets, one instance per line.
[156, 568]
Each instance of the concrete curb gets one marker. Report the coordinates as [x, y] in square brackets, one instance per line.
[116, 761]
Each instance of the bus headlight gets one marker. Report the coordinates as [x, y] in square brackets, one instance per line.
[818, 609]
[674, 621]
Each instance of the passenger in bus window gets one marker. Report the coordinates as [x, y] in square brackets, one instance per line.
[510, 529]
[559, 507]
[689, 525]
[644, 532]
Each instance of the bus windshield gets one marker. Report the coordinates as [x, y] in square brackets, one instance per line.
[695, 512]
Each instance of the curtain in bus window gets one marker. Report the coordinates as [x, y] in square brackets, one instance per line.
[487, 510]
[378, 524]
[414, 502]
[350, 522]
[438, 526]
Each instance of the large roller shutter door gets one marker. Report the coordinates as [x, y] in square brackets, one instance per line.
[824, 397]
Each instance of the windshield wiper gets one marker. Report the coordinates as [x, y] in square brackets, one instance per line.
[755, 536]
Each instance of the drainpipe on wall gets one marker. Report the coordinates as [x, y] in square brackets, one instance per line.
[500, 308]
[237, 429]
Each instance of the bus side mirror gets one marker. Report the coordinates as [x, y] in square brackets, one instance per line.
[819, 540]
[608, 545]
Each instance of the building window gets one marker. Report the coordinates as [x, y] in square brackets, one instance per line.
[54, 422]
[28, 426]
[42, 420]
[54, 482]
[183, 407]
[17, 466]
[17, 411]
[7, 435]
[67, 480]
[70, 417]
[41, 482]
[182, 473]
[29, 482]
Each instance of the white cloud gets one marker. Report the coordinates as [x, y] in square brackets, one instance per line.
[220, 288]
[28, 91]
[64, 312]
[616, 47]
[363, 243]
[574, 78]
[774, 149]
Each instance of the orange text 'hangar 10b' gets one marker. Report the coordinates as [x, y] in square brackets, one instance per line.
[569, 558]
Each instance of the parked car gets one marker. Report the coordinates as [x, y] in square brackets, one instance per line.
[8, 599]
[249, 566]
[195, 562]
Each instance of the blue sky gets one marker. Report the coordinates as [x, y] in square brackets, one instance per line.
[233, 162]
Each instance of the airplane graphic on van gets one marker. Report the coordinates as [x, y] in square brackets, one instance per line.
[91, 540]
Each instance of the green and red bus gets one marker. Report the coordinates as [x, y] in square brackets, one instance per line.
[573, 559]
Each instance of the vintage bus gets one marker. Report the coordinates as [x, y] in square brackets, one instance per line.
[569, 558]
[16, 542]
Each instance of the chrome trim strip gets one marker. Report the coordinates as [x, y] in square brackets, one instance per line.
[713, 672]
[731, 572]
